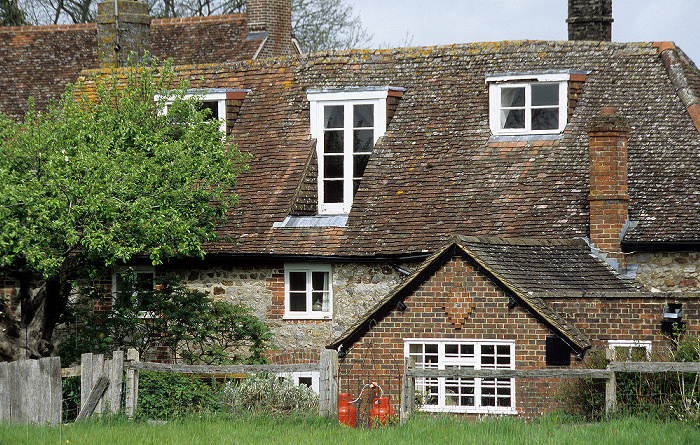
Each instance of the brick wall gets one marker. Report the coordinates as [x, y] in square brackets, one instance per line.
[590, 20]
[275, 17]
[607, 147]
[457, 302]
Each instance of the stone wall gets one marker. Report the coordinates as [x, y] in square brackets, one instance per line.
[668, 271]
[356, 287]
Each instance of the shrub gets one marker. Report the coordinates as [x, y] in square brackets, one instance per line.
[169, 395]
[269, 392]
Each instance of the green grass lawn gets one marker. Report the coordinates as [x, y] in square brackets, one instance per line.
[429, 430]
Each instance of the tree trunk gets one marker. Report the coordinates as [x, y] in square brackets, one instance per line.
[26, 331]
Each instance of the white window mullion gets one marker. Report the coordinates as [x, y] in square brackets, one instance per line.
[348, 157]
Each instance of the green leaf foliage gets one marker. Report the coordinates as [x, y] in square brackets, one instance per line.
[106, 177]
[192, 326]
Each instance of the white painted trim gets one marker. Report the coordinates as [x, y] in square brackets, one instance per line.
[309, 314]
[495, 108]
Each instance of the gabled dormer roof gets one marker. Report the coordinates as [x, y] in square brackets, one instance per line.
[525, 269]
[438, 171]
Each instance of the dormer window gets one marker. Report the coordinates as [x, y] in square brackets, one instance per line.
[524, 104]
[216, 101]
[346, 124]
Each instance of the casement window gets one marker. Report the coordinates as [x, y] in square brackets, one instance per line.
[528, 103]
[214, 100]
[476, 395]
[308, 291]
[346, 125]
[132, 287]
[630, 350]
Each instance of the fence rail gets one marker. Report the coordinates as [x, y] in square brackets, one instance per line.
[411, 373]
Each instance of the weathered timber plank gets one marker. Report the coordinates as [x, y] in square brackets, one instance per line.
[4, 393]
[511, 373]
[221, 369]
[70, 372]
[95, 395]
[116, 371]
[651, 367]
[56, 391]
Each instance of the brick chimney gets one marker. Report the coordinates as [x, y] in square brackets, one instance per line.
[273, 18]
[130, 31]
[590, 20]
[607, 150]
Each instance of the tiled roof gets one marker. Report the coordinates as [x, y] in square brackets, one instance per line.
[39, 61]
[437, 171]
[524, 269]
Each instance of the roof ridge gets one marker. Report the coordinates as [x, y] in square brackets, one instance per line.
[198, 19]
[519, 241]
[670, 55]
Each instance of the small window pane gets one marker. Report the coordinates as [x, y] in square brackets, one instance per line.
[305, 381]
[333, 116]
[297, 281]
[545, 94]
[545, 119]
[333, 166]
[333, 141]
[363, 116]
[355, 186]
[297, 302]
[319, 281]
[363, 140]
[503, 349]
[513, 119]
[213, 109]
[431, 348]
[513, 97]
[359, 165]
[451, 350]
[332, 191]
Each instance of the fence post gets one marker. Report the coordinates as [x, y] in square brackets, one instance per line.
[132, 383]
[408, 389]
[610, 388]
[115, 372]
[328, 383]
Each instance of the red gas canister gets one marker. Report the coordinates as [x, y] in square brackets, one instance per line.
[346, 412]
[381, 412]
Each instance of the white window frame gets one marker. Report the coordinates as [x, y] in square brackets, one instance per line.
[475, 363]
[497, 82]
[313, 375]
[203, 96]
[630, 344]
[309, 314]
[133, 270]
[319, 99]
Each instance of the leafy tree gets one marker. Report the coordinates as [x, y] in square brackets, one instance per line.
[92, 182]
[317, 24]
[11, 14]
[188, 322]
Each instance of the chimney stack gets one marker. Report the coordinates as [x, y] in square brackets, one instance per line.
[590, 20]
[608, 134]
[273, 17]
[123, 27]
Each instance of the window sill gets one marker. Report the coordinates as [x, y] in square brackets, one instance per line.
[306, 316]
[468, 410]
[524, 137]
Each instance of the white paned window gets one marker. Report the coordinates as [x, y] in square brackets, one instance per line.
[308, 292]
[528, 104]
[346, 125]
[132, 287]
[307, 378]
[630, 350]
[477, 395]
[214, 101]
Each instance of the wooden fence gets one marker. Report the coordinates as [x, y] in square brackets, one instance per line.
[30, 391]
[411, 373]
[101, 380]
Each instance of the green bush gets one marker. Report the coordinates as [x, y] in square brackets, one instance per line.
[271, 393]
[71, 398]
[169, 395]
